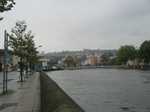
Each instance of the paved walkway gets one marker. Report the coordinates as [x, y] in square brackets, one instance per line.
[12, 80]
[25, 99]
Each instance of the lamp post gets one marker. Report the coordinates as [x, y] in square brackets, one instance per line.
[5, 69]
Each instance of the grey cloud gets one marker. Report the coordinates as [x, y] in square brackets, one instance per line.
[77, 24]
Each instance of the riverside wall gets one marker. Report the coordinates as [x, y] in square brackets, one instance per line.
[54, 99]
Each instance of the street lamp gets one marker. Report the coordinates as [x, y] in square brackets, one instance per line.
[5, 69]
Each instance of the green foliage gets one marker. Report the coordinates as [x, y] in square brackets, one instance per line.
[126, 53]
[31, 50]
[22, 42]
[113, 61]
[71, 61]
[17, 41]
[105, 58]
[145, 51]
[6, 5]
[23, 46]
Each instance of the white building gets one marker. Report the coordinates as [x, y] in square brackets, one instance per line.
[44, 63]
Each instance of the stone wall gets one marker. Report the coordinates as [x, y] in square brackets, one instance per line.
[54, 99]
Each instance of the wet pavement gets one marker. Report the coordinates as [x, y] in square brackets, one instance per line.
[23, 96]
[8, 102]
[13, 77]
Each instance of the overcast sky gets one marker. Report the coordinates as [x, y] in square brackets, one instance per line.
[79, 24]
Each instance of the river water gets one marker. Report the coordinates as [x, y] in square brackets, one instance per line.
[107, 90]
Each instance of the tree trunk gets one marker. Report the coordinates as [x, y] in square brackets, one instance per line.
[21, 69]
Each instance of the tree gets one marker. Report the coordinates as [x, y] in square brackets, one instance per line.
[18, 44]
[6, 5]
[126, 53]
[104, 59]
[76, 61]
[23, 46]
[145, 51]
[31, 50]
[69, 61]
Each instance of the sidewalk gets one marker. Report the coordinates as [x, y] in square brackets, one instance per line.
[13, 77]
[25, 99]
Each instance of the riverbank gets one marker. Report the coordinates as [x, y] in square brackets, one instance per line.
[54, 99]
[103, 67]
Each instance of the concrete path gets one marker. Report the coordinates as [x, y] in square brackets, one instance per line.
[13, 77]
[25, 99]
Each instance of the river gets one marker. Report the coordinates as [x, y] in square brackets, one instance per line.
[107, 90]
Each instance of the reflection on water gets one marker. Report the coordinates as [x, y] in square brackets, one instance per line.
[107, 90]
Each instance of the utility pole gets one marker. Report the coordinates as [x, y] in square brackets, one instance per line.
[5, 69]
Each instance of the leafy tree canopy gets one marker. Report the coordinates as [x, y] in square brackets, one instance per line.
[6, 5]
[17, 41]
[126, 53]
[70, 61]
[23, 46]
[145, 51]
[22, 42]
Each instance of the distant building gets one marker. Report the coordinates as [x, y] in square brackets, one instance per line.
[136, 63]
[99, 60]
[82, 58]
[91, 60]
[44, 63]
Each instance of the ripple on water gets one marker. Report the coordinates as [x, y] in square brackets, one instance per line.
[108, 90]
